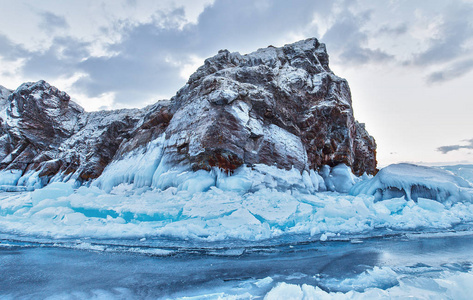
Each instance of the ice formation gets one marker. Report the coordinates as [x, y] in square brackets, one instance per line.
[254, 203]
[142, 192]
[413, 182]
[449, 285]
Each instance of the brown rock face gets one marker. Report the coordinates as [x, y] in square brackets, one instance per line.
[43, 132]
[276, 106]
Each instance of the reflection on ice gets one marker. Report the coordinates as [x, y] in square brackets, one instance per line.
[386, 268]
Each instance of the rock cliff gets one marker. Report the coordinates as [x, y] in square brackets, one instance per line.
[276, 106]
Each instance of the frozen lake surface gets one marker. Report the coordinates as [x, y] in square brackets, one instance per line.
[434, 265]
[260, 233]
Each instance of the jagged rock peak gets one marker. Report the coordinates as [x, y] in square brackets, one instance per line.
[280, 107]
[44, 94]
[309, 54]
[44, 133]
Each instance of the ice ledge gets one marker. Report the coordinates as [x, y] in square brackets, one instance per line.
[414, 182]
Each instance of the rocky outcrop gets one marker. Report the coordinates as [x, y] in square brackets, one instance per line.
[276, 106]
[47, 134]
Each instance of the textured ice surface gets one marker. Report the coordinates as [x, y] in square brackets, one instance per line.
[147, 167]
[464, 171]
[138, 197]
[449, 285]
[216, 214]
[396, 267]
[412, 182]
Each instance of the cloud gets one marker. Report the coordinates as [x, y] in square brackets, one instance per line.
[60, 60]
[347, 37]
[51, 21]
[244, 25]
[396, 30]
[446, 149]
[453, 37]
[453, 71]
[149, 57]
[143, 59]
[11, 51]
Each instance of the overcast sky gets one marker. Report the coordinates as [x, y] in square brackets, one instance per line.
[409, 63]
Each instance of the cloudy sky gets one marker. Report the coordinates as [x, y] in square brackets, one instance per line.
[409, 62]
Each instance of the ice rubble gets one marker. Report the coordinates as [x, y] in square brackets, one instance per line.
[414, 182]
[224, 211]
[139, 196]
[449, 285]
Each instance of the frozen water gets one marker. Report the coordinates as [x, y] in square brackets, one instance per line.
[138, 196]
[437, 267]
[140, 207]
[9, 177]
[412, 182]
[447, 286]
[464, 171]
[339, 178]
[214, 206]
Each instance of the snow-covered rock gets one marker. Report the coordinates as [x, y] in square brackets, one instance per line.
[46, 137]
[276, 106]
[280, 107]
[415, 182]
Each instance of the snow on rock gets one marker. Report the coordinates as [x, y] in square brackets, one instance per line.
[49, 138]
[279, 107]
[266, 108]
[415, 182]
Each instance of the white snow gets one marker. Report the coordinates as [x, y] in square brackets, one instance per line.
[413, 182]
[378, 283]
[285, 291]
[339, 178]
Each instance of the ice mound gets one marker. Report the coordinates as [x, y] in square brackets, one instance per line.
[464, 171]
[141, 198]
[447, 286]
[378, 283]
[414, 182]
[217, 214]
